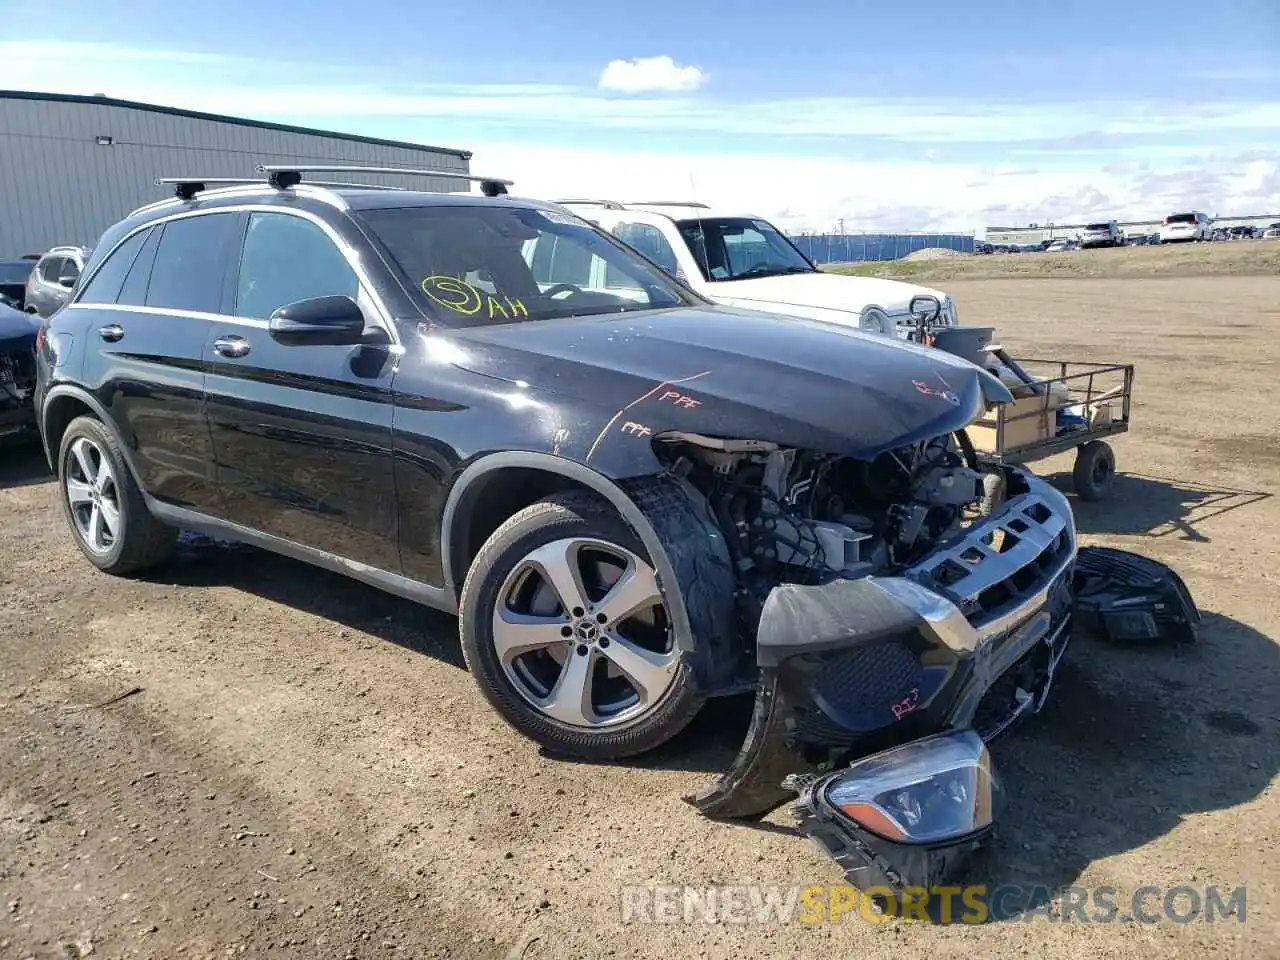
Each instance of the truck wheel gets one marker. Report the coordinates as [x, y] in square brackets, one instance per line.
[108, 517]
[566, 629]
[1095, 469]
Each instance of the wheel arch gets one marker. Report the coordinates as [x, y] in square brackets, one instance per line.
[480, 498]
[61, 405]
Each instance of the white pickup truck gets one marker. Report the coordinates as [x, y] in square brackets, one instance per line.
[744, 261]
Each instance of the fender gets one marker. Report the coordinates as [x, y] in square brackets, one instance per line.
[92, 402]
[458, 506]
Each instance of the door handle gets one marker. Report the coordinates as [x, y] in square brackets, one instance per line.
[232, 346]
[111, 333]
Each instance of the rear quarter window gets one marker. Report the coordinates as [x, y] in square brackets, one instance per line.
[104, 285]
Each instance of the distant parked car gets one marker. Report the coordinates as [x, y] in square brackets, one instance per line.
[1243, 232]
[1061, 245]
[1183, 227]
[1106, 234]
[1272, 232]
[50, 284]
[13, 281]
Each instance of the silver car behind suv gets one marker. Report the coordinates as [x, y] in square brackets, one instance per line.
[51, 283]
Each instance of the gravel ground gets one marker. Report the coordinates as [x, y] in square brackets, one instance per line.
[305, 769]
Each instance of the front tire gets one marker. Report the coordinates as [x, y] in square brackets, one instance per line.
[105, 510]
[566, 630]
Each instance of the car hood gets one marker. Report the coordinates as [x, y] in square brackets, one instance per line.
[830, 291]
[739, 374]
[16, 325]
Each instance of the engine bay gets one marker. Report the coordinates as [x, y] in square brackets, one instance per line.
[796, 516]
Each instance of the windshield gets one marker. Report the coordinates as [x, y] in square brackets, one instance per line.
[1180, 218]
[1099, 227]
[475, 265]
[740, 248]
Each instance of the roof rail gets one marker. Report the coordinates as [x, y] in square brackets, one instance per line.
[283, 176]
[187, 187]
[607, 204]
[668, 203]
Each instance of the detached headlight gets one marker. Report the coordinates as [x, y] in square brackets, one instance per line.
[935, 790]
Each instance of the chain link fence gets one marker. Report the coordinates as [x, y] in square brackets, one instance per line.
[851, 247]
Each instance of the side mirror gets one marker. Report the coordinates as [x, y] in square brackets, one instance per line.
[319, 321]
[924, 308]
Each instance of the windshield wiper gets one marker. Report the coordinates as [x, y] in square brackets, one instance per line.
[765, 270]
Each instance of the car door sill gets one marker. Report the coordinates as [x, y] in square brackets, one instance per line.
[437, 597]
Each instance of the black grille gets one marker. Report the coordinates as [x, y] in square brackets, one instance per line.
[17, 386]
[18, 368]
[1024, 580]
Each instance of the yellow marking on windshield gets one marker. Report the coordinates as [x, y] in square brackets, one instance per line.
[465, 298]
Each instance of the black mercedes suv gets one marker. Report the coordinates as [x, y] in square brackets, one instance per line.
[632, 499]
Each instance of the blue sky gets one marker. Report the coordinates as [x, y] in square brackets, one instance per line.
[918, 114]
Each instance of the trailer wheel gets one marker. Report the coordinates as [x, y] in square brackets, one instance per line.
[1095, 469]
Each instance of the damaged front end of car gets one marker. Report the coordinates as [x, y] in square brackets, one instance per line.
[906, 671]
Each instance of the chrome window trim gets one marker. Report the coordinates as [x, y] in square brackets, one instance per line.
[252, 322]
[383, 318]
[171, 312]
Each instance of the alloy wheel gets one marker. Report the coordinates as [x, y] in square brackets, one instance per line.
[93, 494]
[581, 631]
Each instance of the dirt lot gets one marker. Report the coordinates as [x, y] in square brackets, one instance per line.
[1236, 257]
[307, 770]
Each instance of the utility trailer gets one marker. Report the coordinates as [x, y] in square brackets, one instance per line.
[1066, 404]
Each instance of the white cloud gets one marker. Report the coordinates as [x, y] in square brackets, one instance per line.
[531, 132]
[649, 74]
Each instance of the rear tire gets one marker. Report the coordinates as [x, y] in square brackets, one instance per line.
[1094, 470]
[597, 676]
[105, 510]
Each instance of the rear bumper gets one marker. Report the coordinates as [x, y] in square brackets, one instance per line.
[969, 638]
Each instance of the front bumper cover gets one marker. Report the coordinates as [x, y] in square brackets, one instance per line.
[969, 637]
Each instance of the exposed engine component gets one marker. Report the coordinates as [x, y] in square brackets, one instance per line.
[793, 516]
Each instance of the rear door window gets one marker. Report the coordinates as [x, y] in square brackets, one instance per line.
[649, 240]
[190, 266]
[104, 285]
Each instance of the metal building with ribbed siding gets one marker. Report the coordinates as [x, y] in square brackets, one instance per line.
[70, 166]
